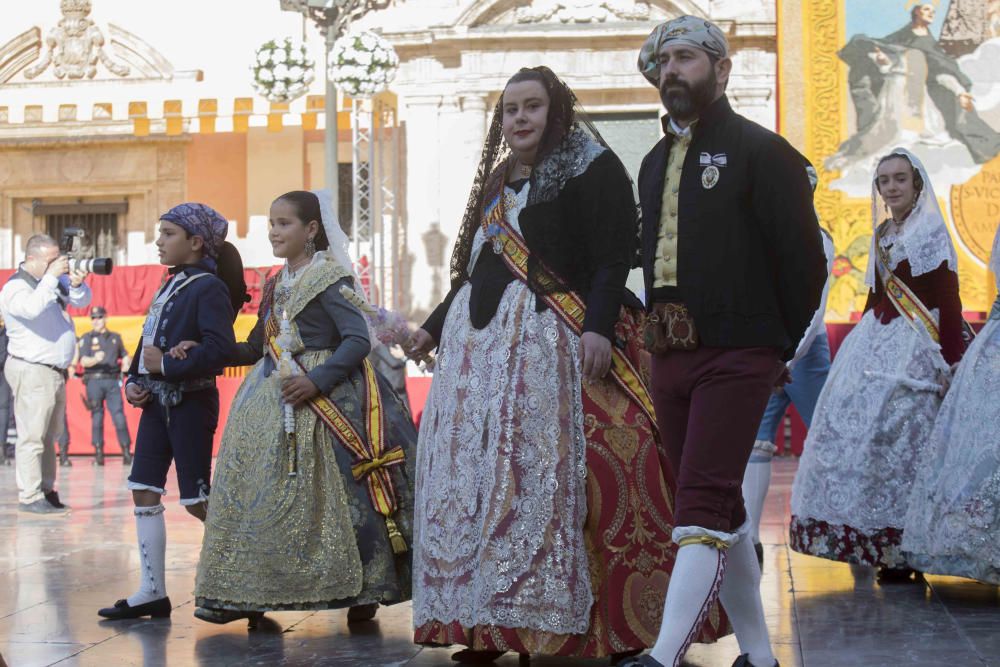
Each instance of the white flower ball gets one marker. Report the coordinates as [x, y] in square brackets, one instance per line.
[265, 75]
[295, 73]
[280, 71]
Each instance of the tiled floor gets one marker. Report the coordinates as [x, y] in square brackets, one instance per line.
[56, 571]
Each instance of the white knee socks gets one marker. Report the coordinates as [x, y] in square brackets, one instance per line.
[756, 481]
[151, 530]
[694, 586]
[740, 597]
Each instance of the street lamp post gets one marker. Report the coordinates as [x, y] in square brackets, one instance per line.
[332, 17]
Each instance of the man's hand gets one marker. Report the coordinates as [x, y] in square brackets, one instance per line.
[967, 101]
[152, 357]
[136, 395]
[420, 344]
[297, 390]
[180, 350]
[595, 355]
[76, 278]
[99, 356]
[58, 267]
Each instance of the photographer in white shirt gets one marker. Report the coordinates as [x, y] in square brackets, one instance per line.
[42, 341]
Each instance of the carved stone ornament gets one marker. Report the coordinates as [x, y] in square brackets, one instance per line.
[75, 46]
[583, 11]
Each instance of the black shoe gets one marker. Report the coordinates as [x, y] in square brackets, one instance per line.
[157, 609]
[469, 657]
[759, 548]
[126, 458]
[40, 506]
[619, 658]
[362, 612]
[53, 498]
[64, 461]
[744, 661]
[99, 455]
[223, 616]
[896, 575]
[642, 661]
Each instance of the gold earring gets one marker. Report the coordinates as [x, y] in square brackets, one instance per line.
[310, 247]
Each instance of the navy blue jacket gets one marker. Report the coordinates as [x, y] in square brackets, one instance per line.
[203, 312]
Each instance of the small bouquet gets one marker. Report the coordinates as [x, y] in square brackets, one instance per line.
[287, 369]
[390, 327]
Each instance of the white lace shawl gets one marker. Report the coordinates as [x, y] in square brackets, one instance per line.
[924, 240]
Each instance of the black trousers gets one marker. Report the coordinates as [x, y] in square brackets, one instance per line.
[101, 391]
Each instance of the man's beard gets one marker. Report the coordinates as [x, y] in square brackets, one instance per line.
[686, 101]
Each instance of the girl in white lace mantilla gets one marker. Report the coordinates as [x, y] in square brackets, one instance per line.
[852, 489]
[954, 515]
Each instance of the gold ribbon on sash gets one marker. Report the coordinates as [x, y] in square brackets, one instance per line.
[371, 460]
[902, 297]
[567, 305]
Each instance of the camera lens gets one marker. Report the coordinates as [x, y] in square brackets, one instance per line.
[102, 266]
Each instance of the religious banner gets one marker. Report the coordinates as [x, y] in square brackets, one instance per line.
[923, 76]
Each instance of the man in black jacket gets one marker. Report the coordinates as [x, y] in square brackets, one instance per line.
[734, 269]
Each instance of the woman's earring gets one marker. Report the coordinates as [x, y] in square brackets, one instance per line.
[310, 247]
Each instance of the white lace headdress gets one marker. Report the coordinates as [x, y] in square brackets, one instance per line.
[338, 252]
[924, 238]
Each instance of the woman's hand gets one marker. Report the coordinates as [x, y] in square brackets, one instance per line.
[945, 378]
[136, 395]
[180, 350]
[152, 358]
[297, 390]
[595, 355]
[420, 344]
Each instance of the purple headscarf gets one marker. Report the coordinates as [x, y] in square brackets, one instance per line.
[200, 220]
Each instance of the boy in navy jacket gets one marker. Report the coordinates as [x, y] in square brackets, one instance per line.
[178, 397]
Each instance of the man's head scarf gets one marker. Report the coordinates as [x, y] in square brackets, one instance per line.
[689, 30]
[200, 220]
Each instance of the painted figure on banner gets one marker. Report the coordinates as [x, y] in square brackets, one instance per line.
[907, 90]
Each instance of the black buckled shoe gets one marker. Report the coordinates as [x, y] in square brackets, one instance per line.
[744, 661]
[759, 550]
[157, 609]
[642, 661]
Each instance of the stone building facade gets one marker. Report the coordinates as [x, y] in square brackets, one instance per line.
[115, 112]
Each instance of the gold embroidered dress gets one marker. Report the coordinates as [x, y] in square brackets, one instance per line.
[313, 540]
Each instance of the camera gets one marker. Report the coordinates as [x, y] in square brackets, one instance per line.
[102, 266]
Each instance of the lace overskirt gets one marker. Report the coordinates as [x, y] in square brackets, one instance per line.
[954, 513]
[852, 488]
[501, 471]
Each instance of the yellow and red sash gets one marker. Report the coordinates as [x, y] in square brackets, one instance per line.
[372, 460]
[902, 297]
[567, 305]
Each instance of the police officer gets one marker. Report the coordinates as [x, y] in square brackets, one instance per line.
[103, 357]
